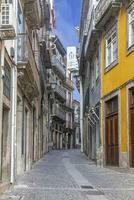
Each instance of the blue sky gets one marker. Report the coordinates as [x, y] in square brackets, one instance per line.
[67, 18]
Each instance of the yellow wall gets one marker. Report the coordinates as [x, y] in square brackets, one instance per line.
[120, 74]
[124, 70]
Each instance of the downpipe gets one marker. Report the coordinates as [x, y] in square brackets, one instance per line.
[81, 113]
[14, 104]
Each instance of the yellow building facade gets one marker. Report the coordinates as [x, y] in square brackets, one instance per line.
[117, 86]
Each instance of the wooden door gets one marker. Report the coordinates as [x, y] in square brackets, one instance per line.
[131, 138]
[131, 133]
[112, 145]
[112, 136]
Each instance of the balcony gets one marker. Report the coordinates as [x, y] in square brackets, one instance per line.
[60, 92]
[92, 34]
[69, 83]
[32, 11]
[104, 10]
[69, 125]
[7, 19]
[59, 113]
[58, 67]
[68, 105]
[27, 69]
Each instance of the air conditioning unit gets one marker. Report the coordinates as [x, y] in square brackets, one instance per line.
[7, 29]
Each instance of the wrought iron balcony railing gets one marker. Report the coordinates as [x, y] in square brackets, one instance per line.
[32, 11]
[25, 52]
[60, 91]
[104, 10]
[59, 112]
[26, 56]
[58, 66]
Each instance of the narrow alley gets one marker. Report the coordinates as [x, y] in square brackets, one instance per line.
[62, 175]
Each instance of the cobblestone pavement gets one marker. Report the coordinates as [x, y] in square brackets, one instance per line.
[68, 175]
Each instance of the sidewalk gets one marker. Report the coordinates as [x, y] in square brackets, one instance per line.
[68, 175]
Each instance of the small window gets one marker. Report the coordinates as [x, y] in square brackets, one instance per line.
[131, 28]
[111, 48]
[112, 106]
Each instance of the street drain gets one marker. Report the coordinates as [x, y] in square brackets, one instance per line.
[93, 193]
[87, 187]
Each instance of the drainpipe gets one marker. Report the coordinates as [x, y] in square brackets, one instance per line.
[14, 104]
[81, 113]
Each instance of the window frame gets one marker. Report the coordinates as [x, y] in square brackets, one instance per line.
[130, 47]
[112, 38]
[112, 28]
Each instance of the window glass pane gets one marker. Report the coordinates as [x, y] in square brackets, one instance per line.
[112, 106]
[115, 105]
[114, 50]
[131, 16]
[109, 41]
[114, 36]
[109, 55]
[132, 33]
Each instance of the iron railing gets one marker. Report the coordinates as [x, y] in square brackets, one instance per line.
[58, 66]
[60, 91]
[32, 10]
[58, 112]
[25, 54]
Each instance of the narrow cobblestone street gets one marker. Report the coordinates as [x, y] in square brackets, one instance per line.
[68, 175]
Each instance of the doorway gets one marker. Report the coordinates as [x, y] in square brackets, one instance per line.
[131, 133]
[5, 153]
[112, 135]
[25, 138]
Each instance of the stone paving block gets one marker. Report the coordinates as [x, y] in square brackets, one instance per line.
[60, 175]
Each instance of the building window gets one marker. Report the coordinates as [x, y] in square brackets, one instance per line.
[7, 80]
[131, 28]
[112, 106]
[111, 48]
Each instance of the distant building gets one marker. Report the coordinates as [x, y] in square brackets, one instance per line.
[76, 120]
[60, 86]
